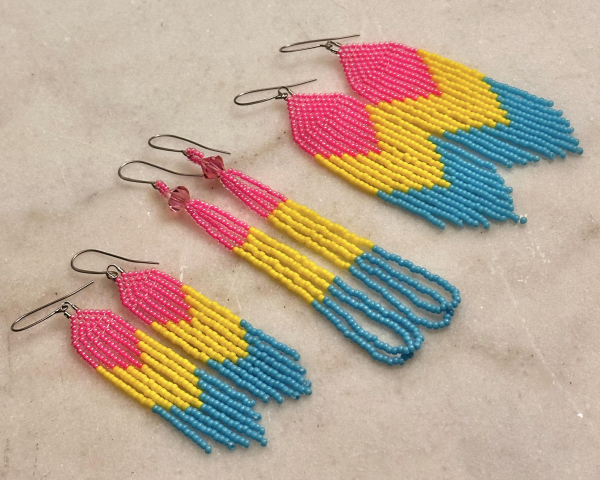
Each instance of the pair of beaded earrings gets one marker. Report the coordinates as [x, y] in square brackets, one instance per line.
[158, 378]
[388, 275]
[428, 140]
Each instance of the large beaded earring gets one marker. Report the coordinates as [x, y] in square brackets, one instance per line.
[448, 100]
[320, 288]
[210, 333]
[376, 150]
[156, 377]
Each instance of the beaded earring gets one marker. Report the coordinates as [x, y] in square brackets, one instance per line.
[447, 99]
[376, 150]
[310, 281]
[157, 377]
[209, 332]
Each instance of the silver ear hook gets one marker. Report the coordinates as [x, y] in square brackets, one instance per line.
[185, 140]
[283, 92]
[129, 179]
[330, 44]
[62, 309]
[111, 274]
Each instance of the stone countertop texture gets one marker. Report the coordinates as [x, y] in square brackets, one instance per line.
[509, 391]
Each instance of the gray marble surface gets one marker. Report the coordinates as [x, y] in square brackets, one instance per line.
[510, 390]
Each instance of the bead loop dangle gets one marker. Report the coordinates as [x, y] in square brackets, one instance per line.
[110, 274]
[330, 44]
[149, 182]
[166, 149]
[283, 93]
[62, 309]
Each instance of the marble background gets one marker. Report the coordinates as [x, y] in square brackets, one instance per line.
[510, 390]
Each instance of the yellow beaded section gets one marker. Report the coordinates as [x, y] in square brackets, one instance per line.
[329, 225]
[200, 344]
[169, 386]
[335, 165]
[330, 240]
[124, 387]
[466, 100]
[281, 262]
[166, 356]
[407, 158]
[192, 351]
[145, 390]
[172, 375]
[213, 306]
[199, 339]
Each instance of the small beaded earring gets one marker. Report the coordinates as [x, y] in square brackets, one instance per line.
[210, 333]
[157, 377]
[305, 278]
[378, 151]
[447, 99]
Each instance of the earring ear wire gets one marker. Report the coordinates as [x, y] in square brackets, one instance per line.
[62, 309]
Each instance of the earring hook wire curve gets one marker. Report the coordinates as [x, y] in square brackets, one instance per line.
[149, 182]
[111, 274]
[330, 44]
[62, 309]
[283, 92]
[168, 135]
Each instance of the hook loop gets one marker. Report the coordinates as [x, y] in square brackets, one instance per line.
[62, 309]
[330, 44]
[283, 92]
[110, 274]
[168, 135]
[134, 180]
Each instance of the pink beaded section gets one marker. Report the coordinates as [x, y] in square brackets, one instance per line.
[386, 71]
[153, 296]
[222, 226]
[331, 124]
[103, 338]
[257, 196]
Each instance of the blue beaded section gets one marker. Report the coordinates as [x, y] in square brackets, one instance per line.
[267, 379]
[234, 424]
[238, 381]
[401, 199]
[342, 320]
[477, 193]
[244, 380]
[182, 427]
[278, 363]
[484, 164]
[277, 372]
[227, 400]
[379, 266]
[216, 425]
[282, 347]
[230, 412]
[534, 127]
[200, 425]
[521, 93]
[208, 381]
